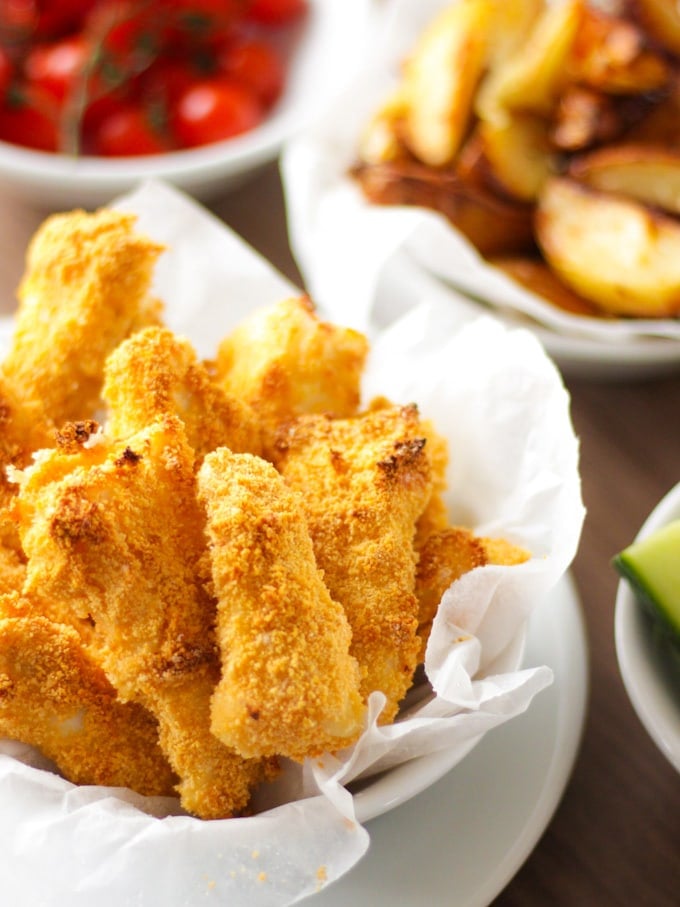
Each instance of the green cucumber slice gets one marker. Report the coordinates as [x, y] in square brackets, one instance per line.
[652, 567]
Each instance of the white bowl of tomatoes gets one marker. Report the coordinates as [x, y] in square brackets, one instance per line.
[99, 95]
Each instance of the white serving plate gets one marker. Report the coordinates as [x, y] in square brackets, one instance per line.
[479, 823]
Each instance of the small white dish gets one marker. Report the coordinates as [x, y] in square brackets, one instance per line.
[327, 47]
[516, 775]
[650, 668]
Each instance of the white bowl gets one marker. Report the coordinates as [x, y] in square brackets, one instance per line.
[327, 48]
[649, 666]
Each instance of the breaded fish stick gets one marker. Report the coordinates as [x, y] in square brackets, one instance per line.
[364, 482]
[54, 697]
[114, 538]
[446, 556]
[289, 685]
[284, 361]
[154, 373]
[85, 288]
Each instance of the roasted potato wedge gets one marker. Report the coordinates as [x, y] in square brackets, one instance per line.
[441, 75]
[613, 55]
[440, 78]
[661, 20]
[535, 275]
[494, 225]
[659, 124]
[615, 252]
[649, 174]
[531, 79]
[379, 141]
[519, 155]
[585, 118]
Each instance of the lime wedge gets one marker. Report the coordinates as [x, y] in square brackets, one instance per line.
[652, 567]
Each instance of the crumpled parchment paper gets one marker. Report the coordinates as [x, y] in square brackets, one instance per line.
[514, 472]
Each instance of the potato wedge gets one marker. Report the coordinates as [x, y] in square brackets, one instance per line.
[493, 224]
[535, 275]
[440, 78]
[661, 20]
[659, 124]
[615, 252]
[613, 55]
[519, 155]
[585, 117]
[441, 75]
[531, 79]
[379, 141]
[649, 174]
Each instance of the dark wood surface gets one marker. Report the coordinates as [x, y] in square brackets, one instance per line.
[615, 838]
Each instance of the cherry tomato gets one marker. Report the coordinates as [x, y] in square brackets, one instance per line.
[59, 17]
[165, 80]
[27, 119]
[207, 14]
[212, 110]
[127, 132]
[6, 72]
[276, 12]
[18, 19]
[54, 67]
[256, 65]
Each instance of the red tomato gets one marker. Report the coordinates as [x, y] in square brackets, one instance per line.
[54, 67]
[211, 12]
[212, 110]
[127, 132]
[28, 119]
[276, 12]
[18, 19]
[256, 65]
[57, 17]
[6, 72]
[165, 80]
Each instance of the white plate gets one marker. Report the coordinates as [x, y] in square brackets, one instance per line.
[468, 834]
[650, 669]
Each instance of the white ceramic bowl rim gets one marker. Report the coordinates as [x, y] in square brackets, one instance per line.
[649, 671]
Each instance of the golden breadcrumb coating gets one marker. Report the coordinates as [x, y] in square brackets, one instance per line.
[54, 697]
[446, 556]
[284, 361]
[289, 685]
[154, 373]
[364, 482]
[435, 516]
[85, 288]
[12, 569]
[114, 536]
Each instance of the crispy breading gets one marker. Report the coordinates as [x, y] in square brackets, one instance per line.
[85, 288]
[284, 361]
[289, 685]
[154, 373]
[12, 569]
[447, 555]
[22, 430]
[365, 482]
[114, 537]
[53, 696]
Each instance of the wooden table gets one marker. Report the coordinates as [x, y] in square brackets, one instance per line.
[615, 839]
